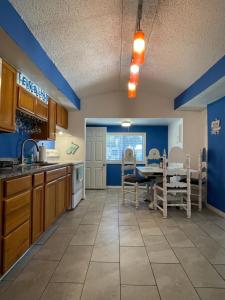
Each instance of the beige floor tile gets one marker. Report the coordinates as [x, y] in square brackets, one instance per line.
[129, 292]
[85, 235]
[179, 239]
[159, 251]
[54, 248]
[73, 265]
[31, 283]
[62, 291]
[106, 252]
[102, 282]
[173, 283]
[135, 267]
[221, 270]
[127, 219]
[211, 294]
[199, 270]
[130, 236]
[4, 285]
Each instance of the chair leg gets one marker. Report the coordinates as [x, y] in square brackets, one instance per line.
[136, 195]
[200, 197]
[154, 198]
[123, 193]
[165, 206]
[189, 205]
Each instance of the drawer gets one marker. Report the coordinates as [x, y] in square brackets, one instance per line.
[15, 244]
[14, 186]
[55, 174]
[38, 179]
[16, 211]
[69, 169]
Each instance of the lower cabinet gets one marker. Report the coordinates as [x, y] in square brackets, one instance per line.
[50, 197]
[37, 217]
[15, 244]
[61, 196]
[55, 200]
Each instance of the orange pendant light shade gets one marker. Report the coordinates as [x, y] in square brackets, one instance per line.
[139, 48]
[131, 90]
[134, 73]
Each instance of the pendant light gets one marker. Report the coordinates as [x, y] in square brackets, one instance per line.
[139, 48]
[131, 90]
[134, 72]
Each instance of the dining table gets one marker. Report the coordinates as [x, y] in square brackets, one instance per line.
[158, 172]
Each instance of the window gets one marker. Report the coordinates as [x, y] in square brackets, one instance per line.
[116, 143]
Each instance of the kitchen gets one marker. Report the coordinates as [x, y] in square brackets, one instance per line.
[64, 69]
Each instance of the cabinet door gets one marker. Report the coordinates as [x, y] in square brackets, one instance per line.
[51, 119]
[7, 97]
[50, 203]
[61, 195]
[59, 115]
[64, 118]
[37, 223]
[69, 192]
[41, 110]
[26, 101]
[15, 244]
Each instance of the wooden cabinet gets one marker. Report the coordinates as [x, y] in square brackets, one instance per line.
[26, 101]
[7, 97]
[16, 219]
[15, 244]
[29, 205]
[41, 110]
[37, 215]
[51, 119]
[62, 116]
[49, 207]
[61, 186]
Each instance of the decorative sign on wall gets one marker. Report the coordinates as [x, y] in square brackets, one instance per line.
[215, 127]
[72, 149]
[30, 86]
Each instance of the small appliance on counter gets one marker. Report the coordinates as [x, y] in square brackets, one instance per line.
[42, 153]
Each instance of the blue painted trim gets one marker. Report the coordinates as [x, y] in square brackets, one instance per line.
[14, 26]
[215, 73]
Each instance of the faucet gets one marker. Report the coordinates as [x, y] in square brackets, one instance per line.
[22, 149]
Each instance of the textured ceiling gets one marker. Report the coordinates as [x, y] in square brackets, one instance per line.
[90, 41]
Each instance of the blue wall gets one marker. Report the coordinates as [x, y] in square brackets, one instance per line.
[156, 137]
[10, 144]
[216, 156]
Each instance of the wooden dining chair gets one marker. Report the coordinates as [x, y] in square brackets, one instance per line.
[199, 183]
[153, 155]
[131, 182]
[176, 166]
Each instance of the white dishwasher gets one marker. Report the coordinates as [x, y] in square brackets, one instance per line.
[77, 184]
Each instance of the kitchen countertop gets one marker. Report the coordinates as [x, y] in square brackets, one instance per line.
[21, 170]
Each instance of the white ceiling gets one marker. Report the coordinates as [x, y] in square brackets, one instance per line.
[90, 41]
[134, 121]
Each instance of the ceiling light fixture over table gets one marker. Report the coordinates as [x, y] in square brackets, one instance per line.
[138, 54]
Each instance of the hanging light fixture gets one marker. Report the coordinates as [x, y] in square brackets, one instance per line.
[134, 72]
[131, 90]
[139, 48]
[139, 39]
[138, 54]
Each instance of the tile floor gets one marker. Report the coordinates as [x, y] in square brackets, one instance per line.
[104, 251]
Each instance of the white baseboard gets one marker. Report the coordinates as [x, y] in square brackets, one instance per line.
[215, 210]
[113, 186]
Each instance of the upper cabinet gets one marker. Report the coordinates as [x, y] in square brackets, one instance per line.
[7, 97]
[62, 116]
[51, 119]
[32, 105]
